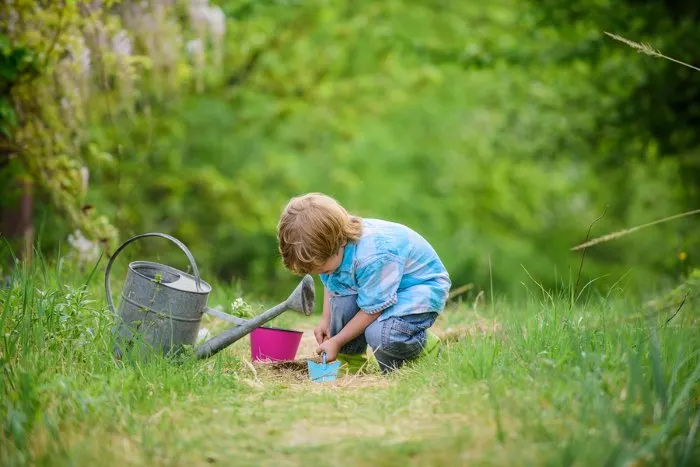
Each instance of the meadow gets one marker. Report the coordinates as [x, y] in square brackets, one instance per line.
[505, 132]
[556, 379]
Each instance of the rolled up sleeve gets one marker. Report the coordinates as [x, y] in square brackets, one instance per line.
[378, 279]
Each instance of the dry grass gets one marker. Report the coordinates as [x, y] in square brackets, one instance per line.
[625, 232]
[481, 327]
[648, 50]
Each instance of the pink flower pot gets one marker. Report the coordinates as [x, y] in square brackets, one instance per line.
[273, 344]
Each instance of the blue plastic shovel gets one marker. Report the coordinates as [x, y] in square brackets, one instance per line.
[322, 372]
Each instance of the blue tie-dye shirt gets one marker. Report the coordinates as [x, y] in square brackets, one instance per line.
[391, 269]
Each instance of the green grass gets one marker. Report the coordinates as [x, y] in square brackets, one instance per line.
[596, 383]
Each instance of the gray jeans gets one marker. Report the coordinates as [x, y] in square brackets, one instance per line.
[394, 340]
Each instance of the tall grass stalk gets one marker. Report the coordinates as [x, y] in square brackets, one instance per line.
[625, 232]
[648, 50]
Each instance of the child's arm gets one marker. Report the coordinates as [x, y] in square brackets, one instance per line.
[378, 278]
[326, 305]
[322, 332]
[354, 328]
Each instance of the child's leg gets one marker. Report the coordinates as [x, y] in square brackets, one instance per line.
[399, 339]
[343, 309]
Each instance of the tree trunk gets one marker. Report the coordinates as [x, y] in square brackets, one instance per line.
[16, 220]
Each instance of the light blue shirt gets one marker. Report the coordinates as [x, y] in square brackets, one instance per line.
[392, 270]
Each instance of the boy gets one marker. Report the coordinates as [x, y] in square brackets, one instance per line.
[384, 285]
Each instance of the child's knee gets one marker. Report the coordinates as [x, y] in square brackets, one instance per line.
[400, 337]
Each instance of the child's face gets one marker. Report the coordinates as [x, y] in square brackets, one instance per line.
[331, 264]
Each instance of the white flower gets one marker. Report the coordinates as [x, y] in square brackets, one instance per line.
[13, 19]
[195, 47]
[121, 43]
[86, 250]
[207, 18]
[85, 61]
[198, 3]
[202, 334]
[85, 176]
[198, 14]
[216, 20]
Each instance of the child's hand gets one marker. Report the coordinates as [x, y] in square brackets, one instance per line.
[322, 332]
[331, 347]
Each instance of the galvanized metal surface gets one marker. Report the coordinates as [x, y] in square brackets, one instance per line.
[162, 307]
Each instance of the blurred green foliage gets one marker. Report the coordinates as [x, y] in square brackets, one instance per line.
[498, 130]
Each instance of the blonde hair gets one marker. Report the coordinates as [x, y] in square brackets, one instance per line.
[312, 228]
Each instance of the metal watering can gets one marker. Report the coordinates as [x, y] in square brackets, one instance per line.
[164, 306]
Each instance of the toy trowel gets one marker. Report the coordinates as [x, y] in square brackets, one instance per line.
[323, 372]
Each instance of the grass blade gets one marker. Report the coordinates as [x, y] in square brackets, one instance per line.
[685, 392]
[657, 370]
[544, 292]
[94, 269]
[691, 437]
[500, 434]
[676, 370]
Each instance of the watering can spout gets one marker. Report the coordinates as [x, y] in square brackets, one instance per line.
[301, 300]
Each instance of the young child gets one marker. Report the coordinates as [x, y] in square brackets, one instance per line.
[384, 285]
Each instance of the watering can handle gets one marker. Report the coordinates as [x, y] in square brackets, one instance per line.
[182, 246]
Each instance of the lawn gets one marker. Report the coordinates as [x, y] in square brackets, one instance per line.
[602, 380]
